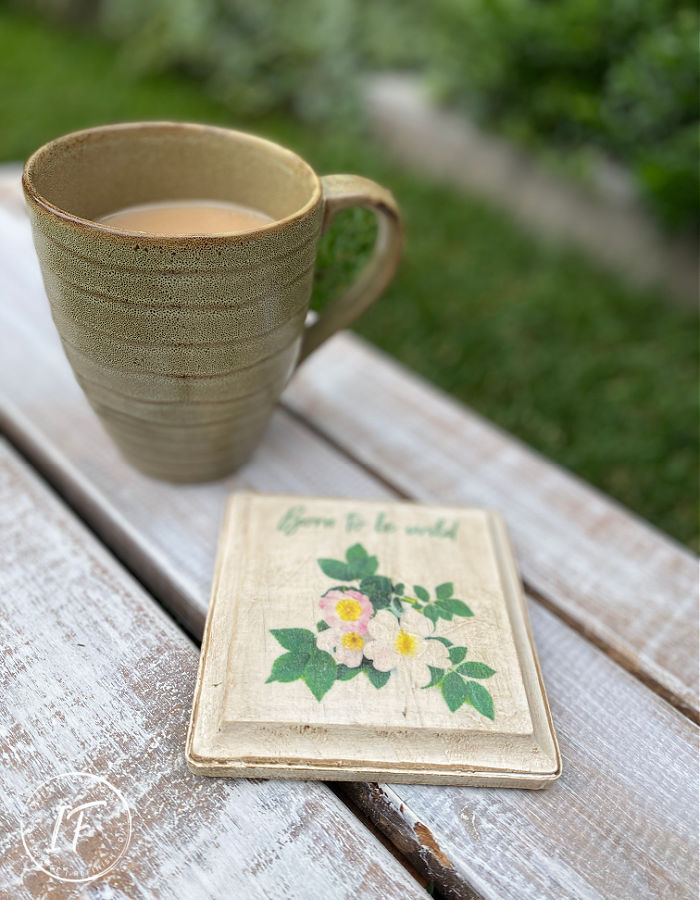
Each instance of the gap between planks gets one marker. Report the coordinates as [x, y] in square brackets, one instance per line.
[41, 469]
[576, 625]
[413, 832]
[410, 839]
[600, 634]
[598, 562]
[414, 846]
[207, 815]
[35, 459]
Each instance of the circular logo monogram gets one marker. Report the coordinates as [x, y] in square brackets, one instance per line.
[76, 827]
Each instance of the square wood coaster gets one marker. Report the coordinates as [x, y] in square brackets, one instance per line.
[356, 640]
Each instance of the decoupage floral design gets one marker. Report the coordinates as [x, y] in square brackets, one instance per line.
[371, 625]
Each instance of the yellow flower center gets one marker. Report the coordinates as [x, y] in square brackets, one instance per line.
[352, 641]
[406, 644]
[348, 610]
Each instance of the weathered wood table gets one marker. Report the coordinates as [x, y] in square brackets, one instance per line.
[105, 579]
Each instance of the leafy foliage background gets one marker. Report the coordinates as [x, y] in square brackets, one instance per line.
[598, 375]
[618, 77]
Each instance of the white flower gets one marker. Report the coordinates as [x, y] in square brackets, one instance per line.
[346, 647]
[401, 643]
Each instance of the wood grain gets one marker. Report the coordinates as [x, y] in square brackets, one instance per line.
[96, 678]
[42, 402]
[620, 822]
[612, 576]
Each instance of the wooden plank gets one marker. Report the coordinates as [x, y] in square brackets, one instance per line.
[617, 580]
[97, 678]
[614, 578]
[42, 400]
[621, 822]
[174, 552]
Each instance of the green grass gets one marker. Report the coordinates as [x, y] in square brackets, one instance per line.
[600, 377]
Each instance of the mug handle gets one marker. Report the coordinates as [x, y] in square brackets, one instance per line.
[341, 192]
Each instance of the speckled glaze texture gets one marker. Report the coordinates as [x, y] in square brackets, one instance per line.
[183, 345]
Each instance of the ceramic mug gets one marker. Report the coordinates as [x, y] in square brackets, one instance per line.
[183, 345]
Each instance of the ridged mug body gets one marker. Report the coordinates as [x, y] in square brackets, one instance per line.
[181, 345]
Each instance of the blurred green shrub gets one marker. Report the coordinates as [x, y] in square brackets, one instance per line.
[618, 75]
[254, 55]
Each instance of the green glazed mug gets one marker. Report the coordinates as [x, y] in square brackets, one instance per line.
[183, 345]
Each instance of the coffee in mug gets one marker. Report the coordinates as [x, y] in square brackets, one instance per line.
[181, 217]
[178, 261]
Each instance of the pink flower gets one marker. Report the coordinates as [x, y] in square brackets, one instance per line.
[346, 610]
[345, 646]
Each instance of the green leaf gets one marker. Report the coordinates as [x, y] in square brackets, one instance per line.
[356, 554]
[480, 698]
[396, 606]
[442, 611]
[369, 567]
[431, 611]
[444, 591]
[322, 625]
[457, 607]
[376, 584]
[378, 589]
[398, 589]
[476, 670]
[336, 569]
[457, 654]
[360, 563]
[378, 679]
[345, 673]
[320, 673]
[443, 640]
[421, 593]
[288, 667]
[436, 676]
[296, 639]
[454, 690]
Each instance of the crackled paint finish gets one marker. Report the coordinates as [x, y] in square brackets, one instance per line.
[378, 629]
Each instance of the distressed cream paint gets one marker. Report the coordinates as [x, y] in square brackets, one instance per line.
[266, 578]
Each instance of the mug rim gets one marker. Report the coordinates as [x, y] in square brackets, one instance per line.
[297, 161]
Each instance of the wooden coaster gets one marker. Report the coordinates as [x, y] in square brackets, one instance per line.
[369, 641]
